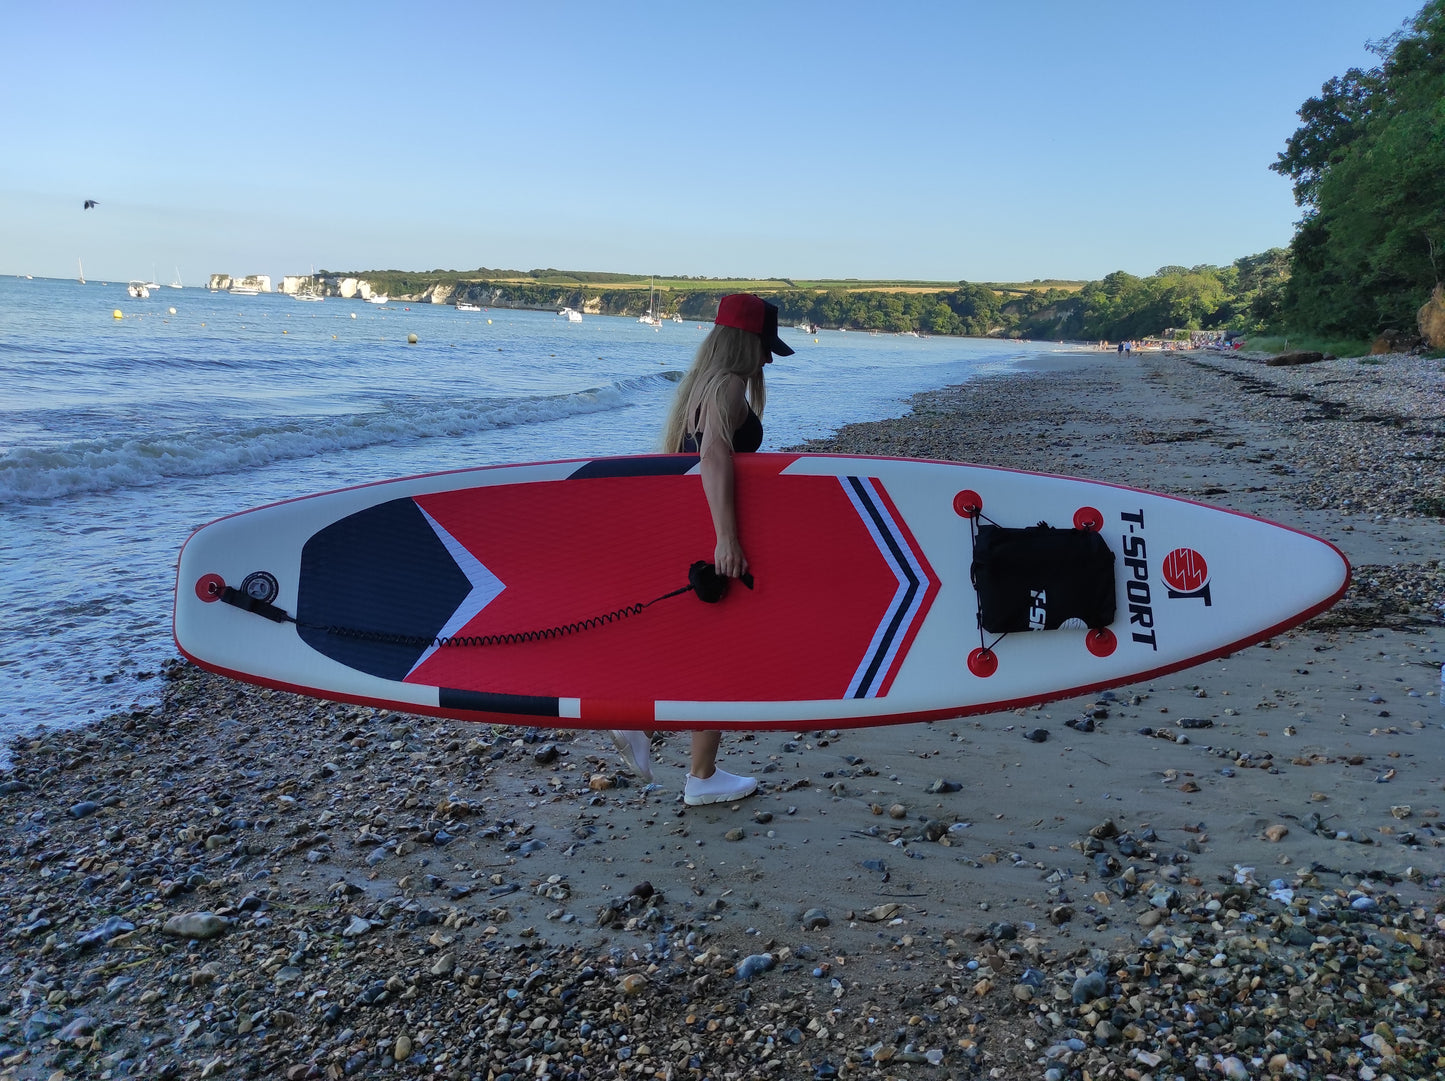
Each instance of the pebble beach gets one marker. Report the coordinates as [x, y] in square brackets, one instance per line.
[1234, 871]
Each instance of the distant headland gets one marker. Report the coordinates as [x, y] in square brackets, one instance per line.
[1042, 308]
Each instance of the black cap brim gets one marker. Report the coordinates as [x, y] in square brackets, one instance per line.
[775, 345]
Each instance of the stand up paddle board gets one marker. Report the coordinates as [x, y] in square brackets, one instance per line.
[884, 591]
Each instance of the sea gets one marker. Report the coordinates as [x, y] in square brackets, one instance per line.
[125, 424]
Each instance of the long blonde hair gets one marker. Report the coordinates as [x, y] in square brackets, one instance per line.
[701, 402]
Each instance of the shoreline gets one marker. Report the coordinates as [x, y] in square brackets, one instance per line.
[381, 885]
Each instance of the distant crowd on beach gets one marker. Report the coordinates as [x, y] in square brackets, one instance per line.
[1197, 340]
[1139, 345]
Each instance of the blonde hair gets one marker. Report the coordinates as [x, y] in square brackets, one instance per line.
[702, 401]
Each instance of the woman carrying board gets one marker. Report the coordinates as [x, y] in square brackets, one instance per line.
[716, 413]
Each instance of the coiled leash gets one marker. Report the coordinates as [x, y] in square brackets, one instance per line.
[702, 579]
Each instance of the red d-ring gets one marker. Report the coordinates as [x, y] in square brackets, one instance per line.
[209, 587]
[1101, 641]
[968, 503]
[983, 663]
[1088, 519]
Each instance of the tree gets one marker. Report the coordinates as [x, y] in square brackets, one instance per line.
[1194, 298]
[1368, 167]
[1257, 295]
[1332, 122]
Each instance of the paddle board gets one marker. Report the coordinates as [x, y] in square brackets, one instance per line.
[539, 594]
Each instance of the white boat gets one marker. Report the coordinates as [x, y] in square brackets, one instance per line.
[245, 290]
[81, 265]
[177, 283]
[139, 289]
[309, 294]
[468, 306]
[572, 314]
[650, 319]
[378, 298]
[677, 317]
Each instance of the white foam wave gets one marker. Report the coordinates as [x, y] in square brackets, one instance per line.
[29, 474]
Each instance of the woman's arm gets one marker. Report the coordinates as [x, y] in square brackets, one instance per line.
[719, 483]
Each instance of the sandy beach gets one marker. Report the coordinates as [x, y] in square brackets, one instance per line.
[1234, 871]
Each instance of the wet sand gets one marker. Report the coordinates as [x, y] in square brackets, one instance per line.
[242, 883]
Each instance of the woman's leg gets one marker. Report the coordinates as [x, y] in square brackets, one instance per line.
[704, 753]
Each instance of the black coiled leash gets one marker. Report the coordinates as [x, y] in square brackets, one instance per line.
[702, 579]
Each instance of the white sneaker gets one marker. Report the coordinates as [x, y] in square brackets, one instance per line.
[721, 787]
[636, 750]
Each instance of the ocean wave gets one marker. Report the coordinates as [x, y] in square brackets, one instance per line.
[30, 474]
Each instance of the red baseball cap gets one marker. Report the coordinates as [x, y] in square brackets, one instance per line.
[754, 314]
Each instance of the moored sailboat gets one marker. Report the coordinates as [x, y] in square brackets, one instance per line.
[650, 318]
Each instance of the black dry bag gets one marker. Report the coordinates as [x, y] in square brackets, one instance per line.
[1036, 578]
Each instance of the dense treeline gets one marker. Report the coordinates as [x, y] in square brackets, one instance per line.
[1368, 166]
[970, 309]
[1243, 298]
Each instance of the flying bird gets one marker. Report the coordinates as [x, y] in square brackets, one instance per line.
[89, 203]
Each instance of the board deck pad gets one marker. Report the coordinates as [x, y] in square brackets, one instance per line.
[862, 612]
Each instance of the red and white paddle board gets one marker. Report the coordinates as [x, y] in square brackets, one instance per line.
[862, 612]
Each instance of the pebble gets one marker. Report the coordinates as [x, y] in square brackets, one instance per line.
[103, 932]
[1089, 987]
[815, 918]
[196, 925]
[1233, 1069]
[755, 965]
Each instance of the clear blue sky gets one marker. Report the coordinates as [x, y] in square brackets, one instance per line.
[940, 140]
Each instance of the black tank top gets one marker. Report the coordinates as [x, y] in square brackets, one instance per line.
[747, 436]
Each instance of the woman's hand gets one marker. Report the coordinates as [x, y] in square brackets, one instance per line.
[729, 558]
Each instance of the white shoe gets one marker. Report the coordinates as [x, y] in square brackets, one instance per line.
[721, 787]
[636, 750]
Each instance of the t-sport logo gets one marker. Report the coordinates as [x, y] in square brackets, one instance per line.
[1184, 571]
[1136, 585]
[1186, 574]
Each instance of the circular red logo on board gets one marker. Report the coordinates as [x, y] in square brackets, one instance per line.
[1185, 570]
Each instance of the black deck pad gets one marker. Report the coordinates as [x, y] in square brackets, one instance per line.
[380, 571]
